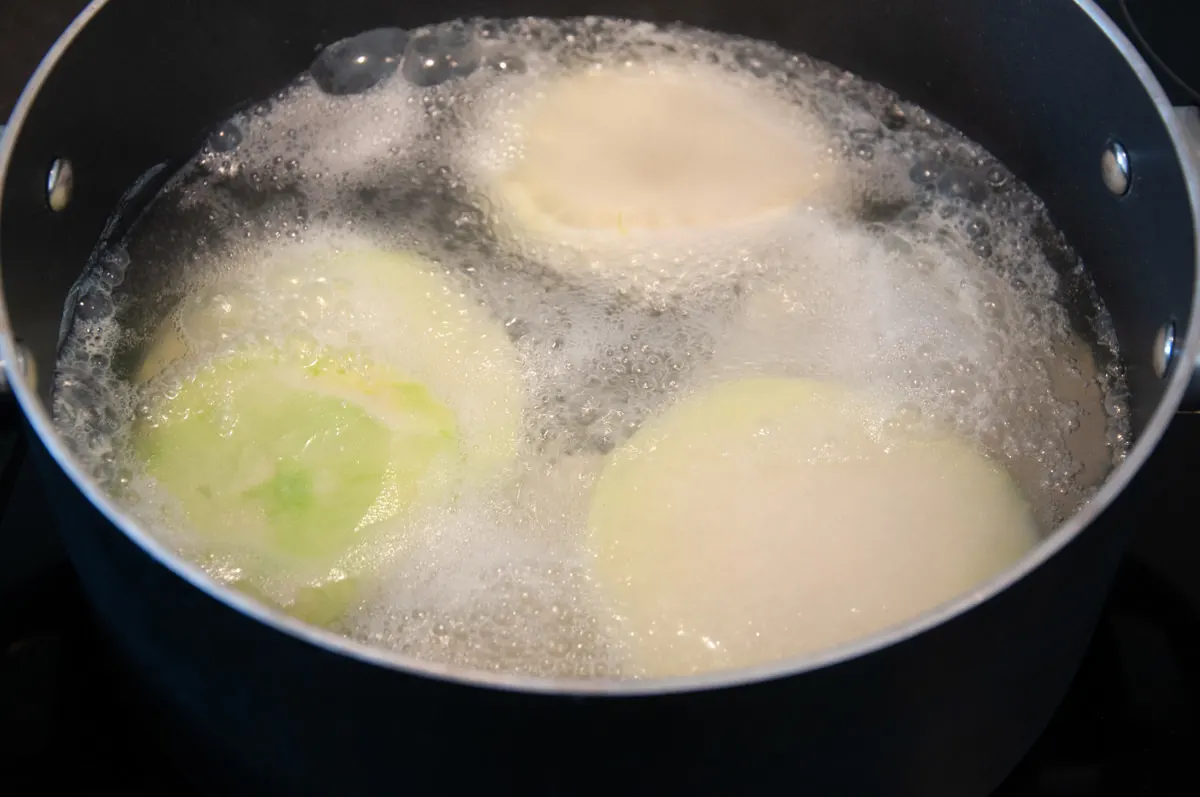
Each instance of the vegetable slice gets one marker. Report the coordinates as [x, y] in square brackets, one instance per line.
[306, 462]
[767, 518]
[633, 150]
[294, 457]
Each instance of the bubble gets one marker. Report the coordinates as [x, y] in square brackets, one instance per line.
[424, 62]
[895, 118]
[111, 266]
[506, 64]
[753, 64]
[225, 138]
[361, 62]
[83, 398]
[441, 54]
[958, 184]
[461, 48]
[95, 305]
[924, 172]
[977, 228]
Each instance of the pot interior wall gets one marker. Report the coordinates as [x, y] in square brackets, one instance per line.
[1035, 81]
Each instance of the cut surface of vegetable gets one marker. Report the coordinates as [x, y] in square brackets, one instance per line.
[632, 150]
[768, 518]
[295, 457]
[304, 452]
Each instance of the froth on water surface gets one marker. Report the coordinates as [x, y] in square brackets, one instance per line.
[926, 272]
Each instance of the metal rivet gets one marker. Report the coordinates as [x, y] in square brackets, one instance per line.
[25, 367]
[59, 184]
[1114, 167]
[1164, 348]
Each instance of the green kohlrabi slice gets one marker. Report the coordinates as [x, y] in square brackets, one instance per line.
[298, 458]
[308, 465]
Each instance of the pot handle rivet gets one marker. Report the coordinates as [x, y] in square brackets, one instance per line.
[60, 181]
[1114, 168]
[1164, 348]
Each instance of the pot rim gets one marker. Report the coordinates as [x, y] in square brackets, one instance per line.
[1117, 481]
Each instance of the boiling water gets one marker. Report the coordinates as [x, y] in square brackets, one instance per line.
[937, 275]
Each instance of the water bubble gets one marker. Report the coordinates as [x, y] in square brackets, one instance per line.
[958, 184]
[353, 65]
[924, 172]
[111, 266]
[977, 228]
[80, 394]
[752, 63]
[1115, 406]
[424, 62]
[225, 138]
[506, 64]
[895, 117]
[436, 56]
[997, 178]
[461, 48]
[865, 151]
[95, 305]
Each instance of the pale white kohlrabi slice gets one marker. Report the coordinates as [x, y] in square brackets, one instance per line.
[767, 518]
[623, 152]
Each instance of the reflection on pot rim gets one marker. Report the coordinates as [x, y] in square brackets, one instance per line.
[39, 419]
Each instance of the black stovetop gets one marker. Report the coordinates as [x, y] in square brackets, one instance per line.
[71, 720]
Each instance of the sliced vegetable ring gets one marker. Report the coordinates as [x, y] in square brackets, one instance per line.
[306, 462]
[628, 151]
[766, 518]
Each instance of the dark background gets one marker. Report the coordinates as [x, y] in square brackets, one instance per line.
[69, 719]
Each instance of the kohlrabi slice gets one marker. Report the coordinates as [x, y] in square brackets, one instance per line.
[768, 518]
[303, 445]
[630, 151]
[294, 457]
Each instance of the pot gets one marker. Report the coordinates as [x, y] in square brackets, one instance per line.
[259, 703]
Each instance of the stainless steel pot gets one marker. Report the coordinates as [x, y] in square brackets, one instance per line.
[259, 703]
